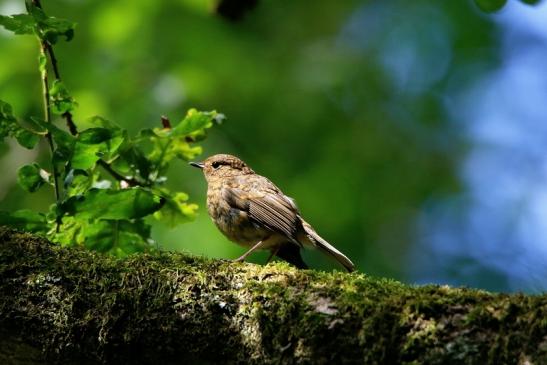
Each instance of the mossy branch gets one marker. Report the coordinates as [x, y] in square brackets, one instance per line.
[74, 306]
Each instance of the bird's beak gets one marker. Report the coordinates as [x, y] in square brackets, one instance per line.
[199, 165]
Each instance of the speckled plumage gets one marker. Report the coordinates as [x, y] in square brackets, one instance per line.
[251, 211]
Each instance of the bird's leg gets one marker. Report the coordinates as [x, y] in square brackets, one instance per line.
[272, 254]
[244, 256]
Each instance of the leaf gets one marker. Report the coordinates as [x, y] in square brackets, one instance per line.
[70, 233]
[196, 121]
[117, 237]
[90, 145]
[168, 147]
[10, 127]
[26, 138]
[30, 177]
[95, 143]
[51, 28]
[18, 23]
[61, 101]
[176, 210]
[6, 120]
[64, 142]
[77, 182]
[490, 5]
[47, 27]
[113, 204]
[103, 122]
[133, 160]
[62, 139]
[25, 220]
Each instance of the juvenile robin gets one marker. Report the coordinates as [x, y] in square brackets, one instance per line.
[251, 211]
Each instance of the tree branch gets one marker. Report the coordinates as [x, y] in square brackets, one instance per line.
[74, 306]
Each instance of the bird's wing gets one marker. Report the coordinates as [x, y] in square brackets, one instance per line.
[267, 207]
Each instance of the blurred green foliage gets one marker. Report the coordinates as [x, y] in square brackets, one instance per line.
[102, 214]
[344, 105]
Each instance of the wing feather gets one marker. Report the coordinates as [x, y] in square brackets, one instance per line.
[269, 208]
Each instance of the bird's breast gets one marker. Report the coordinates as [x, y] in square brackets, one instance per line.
[233, 223]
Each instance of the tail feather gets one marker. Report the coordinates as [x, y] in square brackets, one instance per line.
[291, 253]
[327, 248]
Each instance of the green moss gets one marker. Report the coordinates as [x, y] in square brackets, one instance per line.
[78, 306]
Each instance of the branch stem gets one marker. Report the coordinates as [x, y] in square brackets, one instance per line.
[47, 118]
[116, 175]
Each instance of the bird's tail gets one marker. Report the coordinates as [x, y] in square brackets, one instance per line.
[291, 253]
[326, 247]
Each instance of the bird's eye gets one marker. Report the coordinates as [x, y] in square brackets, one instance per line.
[216, 165]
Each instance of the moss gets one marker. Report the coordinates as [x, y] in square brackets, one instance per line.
[76, 306]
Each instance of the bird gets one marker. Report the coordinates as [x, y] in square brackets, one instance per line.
[253, 212]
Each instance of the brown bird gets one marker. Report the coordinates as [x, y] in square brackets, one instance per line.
[251, 211]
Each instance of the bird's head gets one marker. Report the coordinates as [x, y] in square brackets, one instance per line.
[220, 166]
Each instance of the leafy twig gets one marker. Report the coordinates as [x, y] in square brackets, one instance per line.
[48, 49]
[67, 115]
[47, 117]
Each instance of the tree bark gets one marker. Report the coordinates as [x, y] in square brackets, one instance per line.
[71, 305]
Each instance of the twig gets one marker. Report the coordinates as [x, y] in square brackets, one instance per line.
[116, 175]
[67, 115]
[47, 117]
[48, 49]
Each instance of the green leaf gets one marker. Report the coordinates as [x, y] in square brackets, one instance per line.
[70, 233]
[133, 160]
[176, 210]
[167, 147]
[18, 23]
[77, 182]
[10, 127]
[47, 27]
[151, 163]
[117, 237]
[490, 5]
[113, 204]
[62, 139]
[196, 121]
[31, 177]
[95, 143]
[531, 2]
[6, 120]
[26, 138]
[25, 220]
[61, 101]
[103, 122]
[64, 142]
[51, 28]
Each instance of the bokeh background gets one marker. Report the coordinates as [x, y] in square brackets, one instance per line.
[413, 135]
